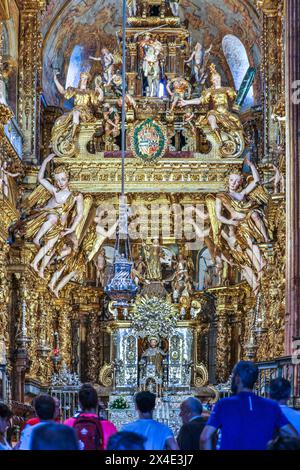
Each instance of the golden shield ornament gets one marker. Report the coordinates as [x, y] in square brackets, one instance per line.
[149, 140]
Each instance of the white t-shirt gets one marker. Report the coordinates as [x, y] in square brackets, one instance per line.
[292, 415]
[26, 435]
[156, 433]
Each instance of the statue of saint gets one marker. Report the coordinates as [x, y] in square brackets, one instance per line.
[152, 253]
[220, 118]
[152, 50]
[179, 89]
[199, 59]
[154, 355]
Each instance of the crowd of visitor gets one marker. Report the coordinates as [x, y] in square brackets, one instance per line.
[244, 421]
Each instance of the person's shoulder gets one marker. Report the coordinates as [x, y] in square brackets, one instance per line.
[69, 422]
[162, 427]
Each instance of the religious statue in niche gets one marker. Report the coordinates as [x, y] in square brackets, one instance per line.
[178, 89]
[59, 217]
[65, 127]
[199, 60]
[151, 364]
[225, 125]
[5, 174]
[151, 64]
[152, 254]
[139, 270]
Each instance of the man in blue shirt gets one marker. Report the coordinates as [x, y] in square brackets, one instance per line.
[246, 421]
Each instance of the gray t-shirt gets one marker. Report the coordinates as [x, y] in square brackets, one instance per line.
[156, 433]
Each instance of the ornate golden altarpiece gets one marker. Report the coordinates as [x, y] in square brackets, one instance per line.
[188, 161]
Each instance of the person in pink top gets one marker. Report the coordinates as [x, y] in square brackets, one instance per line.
[93, 433]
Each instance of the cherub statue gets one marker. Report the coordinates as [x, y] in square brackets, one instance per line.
[5, 174]
[50, 222]
[179, 89]
[152, 50]
[199, 57]
[107, 60]
[219, 117]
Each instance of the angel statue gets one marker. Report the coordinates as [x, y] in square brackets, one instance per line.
[152, 50]
[179, 89]
[71, 259]
[219, 118]
[65, 127]
[132, 8]
[59, 217]
[199, 58]
[108, 62]
[244, 212]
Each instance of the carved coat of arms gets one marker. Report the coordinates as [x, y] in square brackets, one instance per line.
[149, 140]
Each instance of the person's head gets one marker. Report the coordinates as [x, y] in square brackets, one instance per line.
[61, 177]
[284, 442]
[280, 390]
[5, 416]
[153, 341]
[244, 376]
[53, 436]
[88, 398]
[104, 51]
[57, 408]
[84, 80]
[189, 408]
[145, 402]
[126, 441]
[45, 407]
[234, 181]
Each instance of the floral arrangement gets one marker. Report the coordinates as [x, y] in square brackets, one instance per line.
[119, 404]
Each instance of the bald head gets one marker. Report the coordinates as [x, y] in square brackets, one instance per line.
[190, 408]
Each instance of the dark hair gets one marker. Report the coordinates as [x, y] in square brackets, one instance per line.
[5, 411]
[280, 389]
[247, 372]
[88, 397]
[44, 406]
[54, 436]
[284, 443]
[145, 401]
[126, 441]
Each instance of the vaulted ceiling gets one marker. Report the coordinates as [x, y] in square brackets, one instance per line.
[93, 24]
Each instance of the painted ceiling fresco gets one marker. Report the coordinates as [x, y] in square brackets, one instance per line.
[92, 24]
